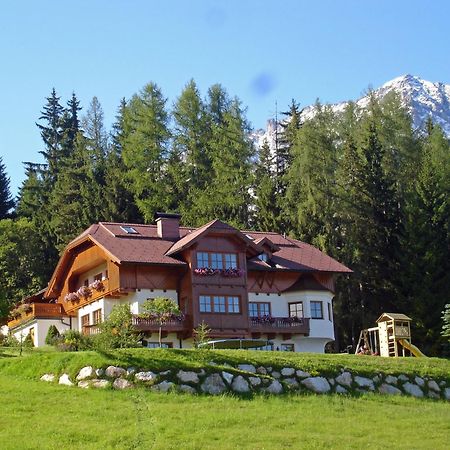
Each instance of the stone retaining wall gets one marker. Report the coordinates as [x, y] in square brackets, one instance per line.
[248, 379]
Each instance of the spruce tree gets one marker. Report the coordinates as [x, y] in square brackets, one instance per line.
[145, 147]
[6, 201]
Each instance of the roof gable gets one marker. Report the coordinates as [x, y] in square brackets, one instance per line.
[214, 226]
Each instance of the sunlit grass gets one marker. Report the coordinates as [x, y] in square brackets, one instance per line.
[37, 415]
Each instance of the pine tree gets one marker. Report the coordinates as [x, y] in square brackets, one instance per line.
[267, 208]
[145, 148]
[6, 201]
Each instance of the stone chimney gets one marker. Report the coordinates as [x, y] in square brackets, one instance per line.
[168, 225]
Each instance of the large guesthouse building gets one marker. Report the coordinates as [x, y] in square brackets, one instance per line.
[243, 284]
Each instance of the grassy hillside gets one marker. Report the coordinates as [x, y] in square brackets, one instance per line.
[38, 415]
[36, 362]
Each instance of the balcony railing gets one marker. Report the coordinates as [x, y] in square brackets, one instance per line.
[147, 324]
[287, 325]
[39, 311]
[90, 330]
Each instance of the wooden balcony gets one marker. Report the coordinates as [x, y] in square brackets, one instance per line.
[279, 325]
[171, 326]
[90, 330]
[39, 311]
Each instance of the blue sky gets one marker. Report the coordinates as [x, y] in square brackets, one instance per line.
[261, 51]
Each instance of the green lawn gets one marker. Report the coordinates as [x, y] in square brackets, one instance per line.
[37, 415]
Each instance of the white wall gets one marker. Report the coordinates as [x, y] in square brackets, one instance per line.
[137, 298]
[41, 327]
[90, 274]
[321, 330]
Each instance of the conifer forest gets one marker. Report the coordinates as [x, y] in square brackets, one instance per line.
[362, 185]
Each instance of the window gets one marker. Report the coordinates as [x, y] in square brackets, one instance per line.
[202, 260]
[205, 303]
[129, 230]
[97, 316]
[263, 257]
[85, 320]
[230, 261]
[156, 344]
[233, 305]
[330, 313]
[287, 347]
[316, 310]
[259, 309]
[219, 304]
[86, 282]
[98, 277]
[216, 261]
[296, 310]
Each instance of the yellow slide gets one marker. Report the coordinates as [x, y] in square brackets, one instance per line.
[412, 348]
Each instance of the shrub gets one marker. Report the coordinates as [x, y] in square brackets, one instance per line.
[53, 335]
[10, 341]
[117, 331]
[201, 334]
[28, 341]
[72, 341]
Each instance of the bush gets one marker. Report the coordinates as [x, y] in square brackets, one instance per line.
[117, 331]
[72, 341]
[53, 335]
[10, 341]
[28, 341]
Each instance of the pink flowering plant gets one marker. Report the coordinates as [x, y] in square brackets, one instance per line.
[98, 285]
[72, 297]
[84, 292]
[229, 273]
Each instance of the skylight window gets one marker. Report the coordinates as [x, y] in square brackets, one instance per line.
[129, 230]
[263, 257]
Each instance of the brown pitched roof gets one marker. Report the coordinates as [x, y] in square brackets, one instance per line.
[146, 247]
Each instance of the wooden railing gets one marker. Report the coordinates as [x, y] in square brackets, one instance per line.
[90, 330]
[146, 324]
[39, 311]
[279, 325]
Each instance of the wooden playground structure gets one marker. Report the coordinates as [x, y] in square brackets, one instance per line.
[392, 337]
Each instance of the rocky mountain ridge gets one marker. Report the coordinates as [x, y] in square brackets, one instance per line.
[422, 99]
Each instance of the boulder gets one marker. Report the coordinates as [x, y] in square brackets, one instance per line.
[228, 377]
[403, 377]
[240, 384]
[291, 383]
[302, 374]
[99, 372]
[145, 376]
[131, 371]
[84, 384]
[274, 388]
[254, 381]
[115, 372]
[376, 379]
[287, 371]
[164, 386]
[247, 368]
[65, 380]
[432, 394]
[433, 386]
[187, 377]
[331, 381]
[447, 393]
[391, 379]
[276, 374]
[187, 389]
[213, 384]
[389, 389]
[85, 372]
[419, 381]
[121, 383]
[413, 389]
[341, 390]
[364, 382]
[345, 378]
[261, 370]
[99, 384]
[318, 385]
[48, 377]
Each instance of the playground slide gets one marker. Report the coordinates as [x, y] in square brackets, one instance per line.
[412, 348]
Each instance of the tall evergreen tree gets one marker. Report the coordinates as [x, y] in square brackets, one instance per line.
[145, 148]
[6, 201]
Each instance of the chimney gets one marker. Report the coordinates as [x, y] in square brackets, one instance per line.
[168, 225]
